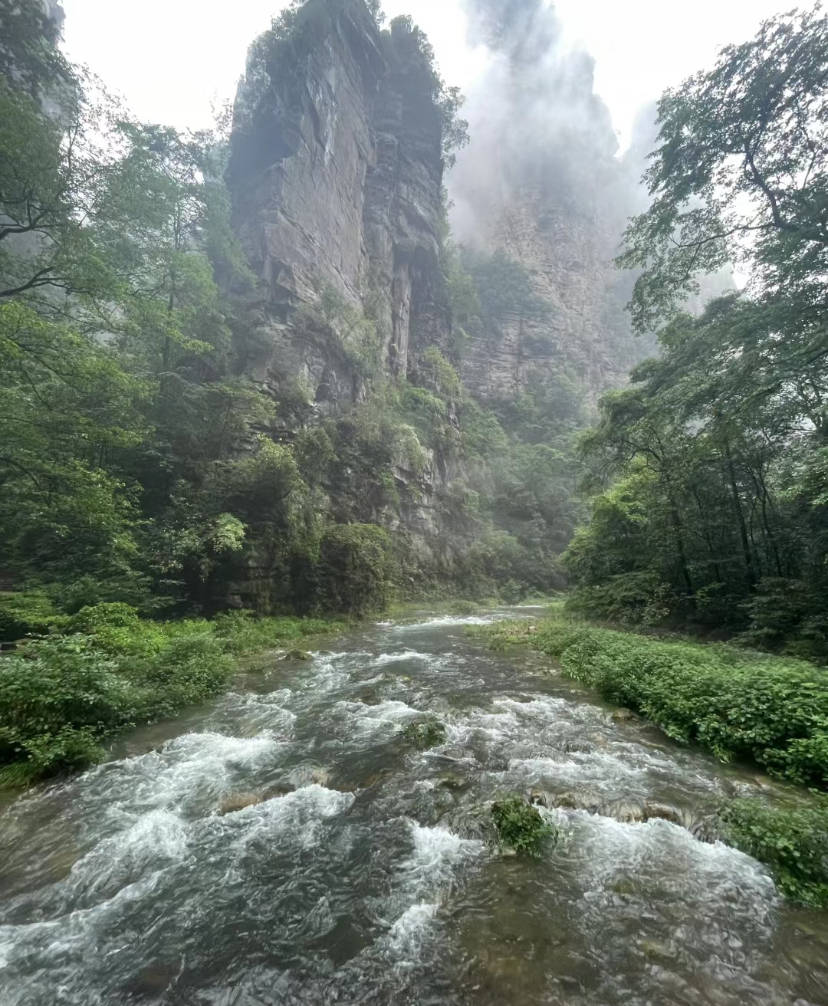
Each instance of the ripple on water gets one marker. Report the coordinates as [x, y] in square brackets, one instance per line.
[360, 721]
[423, 879]
[141, 891]
[134, 892]
[447, 621]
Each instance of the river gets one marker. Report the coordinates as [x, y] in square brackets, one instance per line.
[366, 873]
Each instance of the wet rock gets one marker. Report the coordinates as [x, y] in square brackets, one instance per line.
[624, 886]
[298, 655]
[453, 782]
[657, 951]
[320, 776]
[238, 801]
[309, 775]
[625, 811]
[706, 830]
[153, 980]
[538, 798]
[276, 791]
[375, 779]
[576, 747]
[623, 716]
[662, 811]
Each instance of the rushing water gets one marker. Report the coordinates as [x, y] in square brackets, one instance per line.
[366, 873]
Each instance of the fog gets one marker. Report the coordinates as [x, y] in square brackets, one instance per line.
[174, 60]
[535, 123]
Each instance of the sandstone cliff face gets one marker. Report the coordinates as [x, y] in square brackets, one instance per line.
[336, 177]
[336, 173]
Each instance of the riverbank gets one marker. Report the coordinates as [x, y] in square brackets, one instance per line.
[739, 705]
[62, 696]
[294, 837]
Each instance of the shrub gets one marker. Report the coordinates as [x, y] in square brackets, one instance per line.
[425, 734]
[56, 701]
[520, 826]
[354, 569]
[98, 616]
[792, 842]
[61, 696]
[737, 704]
[27, 613]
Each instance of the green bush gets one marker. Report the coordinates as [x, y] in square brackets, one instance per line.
[737, 704]
[27, 613]
[62, 696]
[425, 734]
[519, 825]
[773, 711]
[56, 701]
[354, 568]
[793, 843]
[112, 614]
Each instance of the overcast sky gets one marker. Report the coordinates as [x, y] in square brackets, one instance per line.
[173, 59]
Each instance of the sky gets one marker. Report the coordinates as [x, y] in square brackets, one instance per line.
[176, 60]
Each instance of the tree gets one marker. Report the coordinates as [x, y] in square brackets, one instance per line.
[729, 425]
[741, 175]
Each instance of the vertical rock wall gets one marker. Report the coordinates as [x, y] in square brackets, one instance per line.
[336, 173]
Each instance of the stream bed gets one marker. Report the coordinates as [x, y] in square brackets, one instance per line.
[289, 845]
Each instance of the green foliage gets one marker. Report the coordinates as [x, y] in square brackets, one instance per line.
[520, 826]
[61, 697]
[719, 518]
[504, 290]
[354, 568]
[29, 52]
[425, 734]
[440, 374]
[358, 336]
[716, 518]
[740, 174]
[415, 54]
[793, 842]
[734, 703]
[27, 613]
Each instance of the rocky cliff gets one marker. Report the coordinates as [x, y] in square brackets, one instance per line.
[337, 172]
[541, 182]
[362, 317]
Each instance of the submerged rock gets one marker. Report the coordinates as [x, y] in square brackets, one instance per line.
[298, 655]
[662, 811]
[538, 798]
[623, 716]
[453, 782]
[239, 801]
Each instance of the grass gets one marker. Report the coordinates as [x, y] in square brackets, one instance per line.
[63, 695]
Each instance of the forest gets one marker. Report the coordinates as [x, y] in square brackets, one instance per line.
[145, 472]
[710, 471]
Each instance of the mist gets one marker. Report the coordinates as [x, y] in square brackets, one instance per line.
[535, 123]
